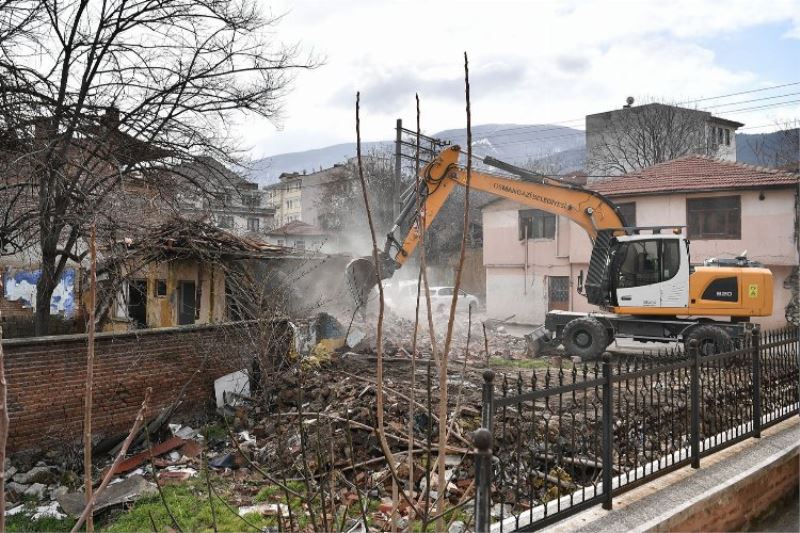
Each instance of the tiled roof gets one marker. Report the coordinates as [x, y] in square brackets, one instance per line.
[694, 173]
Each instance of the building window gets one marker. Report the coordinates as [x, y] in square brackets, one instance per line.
[727, 137]
[628, 210]
[251, 200]
[280, 242]
[252, 224]
[300, 245]
[161, 287]
[536, 224]
[719, 135]
[714, 218]
[225, 221]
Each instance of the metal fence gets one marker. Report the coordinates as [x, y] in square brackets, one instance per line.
[564, 439]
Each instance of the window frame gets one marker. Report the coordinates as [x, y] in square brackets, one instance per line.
[253, 224]
[527, 217]
[658, 272]
[626, 205]
[225, 221]
[694, 233]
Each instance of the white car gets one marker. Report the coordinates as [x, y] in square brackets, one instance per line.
[404, 295]
[441, 298]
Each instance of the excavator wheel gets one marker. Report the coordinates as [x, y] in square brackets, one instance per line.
[710, 340]
[585, 337]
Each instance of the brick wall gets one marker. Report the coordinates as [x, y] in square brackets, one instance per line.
[738, 504]
[46, 376]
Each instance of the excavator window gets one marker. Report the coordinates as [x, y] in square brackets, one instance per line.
[647, 261]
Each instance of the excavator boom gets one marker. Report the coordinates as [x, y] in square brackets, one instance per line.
[590, 210]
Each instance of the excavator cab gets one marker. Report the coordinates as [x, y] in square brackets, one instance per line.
[633, 271]
[649, 271]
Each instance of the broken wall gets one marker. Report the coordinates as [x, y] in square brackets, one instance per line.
[46, 377]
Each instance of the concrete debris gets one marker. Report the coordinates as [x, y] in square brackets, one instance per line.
[37, 474]
[16, 488]
[15, 510]
[265, 509]
[457, 527]
[57, 492]
[183, 432]
[37, 490]
[354, 338]
[49, 510]
[127, 491]
[230, 387]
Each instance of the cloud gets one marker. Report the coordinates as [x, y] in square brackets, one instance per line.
[392, 88]
[530, 62]
[573, 64]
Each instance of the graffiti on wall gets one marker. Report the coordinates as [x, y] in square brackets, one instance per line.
[20, 285]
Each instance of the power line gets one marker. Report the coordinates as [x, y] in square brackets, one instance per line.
[581, 119]
[752, 100]
[740, 93]
[579, 133]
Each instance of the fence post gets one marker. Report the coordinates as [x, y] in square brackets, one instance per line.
[483, 479]
[757, 382]
[694, 432]
[608, 431]
[487, 409]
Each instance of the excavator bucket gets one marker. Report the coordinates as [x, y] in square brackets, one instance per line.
[361, 278]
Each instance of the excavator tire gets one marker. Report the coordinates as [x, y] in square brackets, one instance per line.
[585, 337]
[710, 340]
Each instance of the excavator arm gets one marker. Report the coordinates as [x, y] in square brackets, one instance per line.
[590, 210]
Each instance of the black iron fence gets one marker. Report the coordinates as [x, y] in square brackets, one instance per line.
[566, 438]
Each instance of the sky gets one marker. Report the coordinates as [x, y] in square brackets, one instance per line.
[530, 62]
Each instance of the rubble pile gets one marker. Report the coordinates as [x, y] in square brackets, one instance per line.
[398, 335]
[309, 426]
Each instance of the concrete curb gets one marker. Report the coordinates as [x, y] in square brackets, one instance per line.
[669, 519]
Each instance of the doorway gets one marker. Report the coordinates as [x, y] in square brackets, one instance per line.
[137, 302]
[558, 293]
[187, 306]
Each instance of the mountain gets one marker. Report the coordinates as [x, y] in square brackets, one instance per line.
[266, 170]
[774, 148]
[514, 143]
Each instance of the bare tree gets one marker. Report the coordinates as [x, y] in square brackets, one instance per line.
[340, 207]
[640, 136]
[779, 149]
[96, 95]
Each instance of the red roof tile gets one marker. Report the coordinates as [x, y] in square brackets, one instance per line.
[694, 173]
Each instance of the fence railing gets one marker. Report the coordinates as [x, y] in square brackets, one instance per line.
[560, 440]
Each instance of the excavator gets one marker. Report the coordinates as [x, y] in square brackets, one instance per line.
[641, 278]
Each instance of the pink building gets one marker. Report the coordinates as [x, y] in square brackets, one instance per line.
[532, 258]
